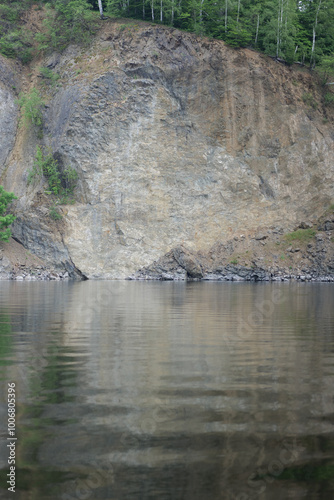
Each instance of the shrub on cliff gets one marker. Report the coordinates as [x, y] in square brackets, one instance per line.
[61, 181]
[5, 219]
[31, 109]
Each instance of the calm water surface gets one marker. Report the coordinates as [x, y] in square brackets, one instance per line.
[139, 390]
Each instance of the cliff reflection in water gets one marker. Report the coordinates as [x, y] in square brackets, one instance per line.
[136, 390]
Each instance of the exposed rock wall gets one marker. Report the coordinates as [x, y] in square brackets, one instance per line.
[177, 141]
[9, 83]
[263, 257]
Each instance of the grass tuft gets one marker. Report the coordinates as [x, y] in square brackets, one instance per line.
[300, 235]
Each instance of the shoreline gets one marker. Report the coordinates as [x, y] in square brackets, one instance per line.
[52, 275]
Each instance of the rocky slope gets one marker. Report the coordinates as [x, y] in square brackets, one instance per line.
[182, 145]
[304, 254]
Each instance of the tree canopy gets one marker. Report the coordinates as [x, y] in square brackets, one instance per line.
[293, 30]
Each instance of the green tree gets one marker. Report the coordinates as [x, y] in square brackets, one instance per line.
[278, 29]
[293, 30]
[5, 219]
[67, 21]
[326, 69]
[316, 21]
[15, 41]
[31, 105]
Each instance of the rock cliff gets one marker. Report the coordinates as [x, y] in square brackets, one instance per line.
[180, 143]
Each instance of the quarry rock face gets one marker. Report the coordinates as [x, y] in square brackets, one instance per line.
[9, 81]
[179, 142]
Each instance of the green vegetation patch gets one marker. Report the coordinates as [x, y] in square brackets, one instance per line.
[300, 235]
[10, 12]
[49, 76]
[309, 99]
[329, 98]
[31, 105]
[54, 214]
[70, 21]
[61, 180]
[290, 31]
[17, 44]
[5, 219]
[15, 40]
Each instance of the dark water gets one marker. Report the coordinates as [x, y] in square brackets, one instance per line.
[200, 391]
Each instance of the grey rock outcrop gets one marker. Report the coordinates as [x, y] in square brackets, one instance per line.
[179, 143]
[9, 83]
[188, 262]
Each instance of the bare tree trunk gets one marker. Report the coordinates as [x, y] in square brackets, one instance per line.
[172, 20]
[279, 25]
[161, 11]
[257, 28]
[143, 9]
[314, 33]
[152, 9]
[313, 46]
[201, 12]
[100, 8]
[238, 11]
